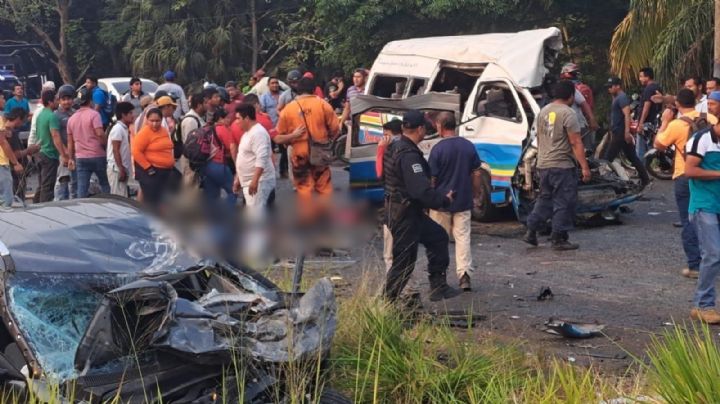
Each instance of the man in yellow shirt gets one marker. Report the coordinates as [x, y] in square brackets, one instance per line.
[8, 161]
[677, 133]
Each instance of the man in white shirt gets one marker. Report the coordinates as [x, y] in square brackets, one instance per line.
[118, 150]
[32, 138]
[254, 167]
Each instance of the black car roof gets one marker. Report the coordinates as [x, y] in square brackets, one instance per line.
[93, 236]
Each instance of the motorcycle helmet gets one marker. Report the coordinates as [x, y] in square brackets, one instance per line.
[569, 71]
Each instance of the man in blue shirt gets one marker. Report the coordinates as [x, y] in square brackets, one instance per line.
[18, 100]
[99, 98]
[455, 165]
[702, 166]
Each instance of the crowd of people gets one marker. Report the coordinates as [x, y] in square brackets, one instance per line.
[248, 137]
[84, 141]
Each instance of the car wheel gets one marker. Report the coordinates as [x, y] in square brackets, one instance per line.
[340, 149]
[483, 209]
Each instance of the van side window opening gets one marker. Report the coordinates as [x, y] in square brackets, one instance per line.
[451, 80]
[388, 86]
[495, 100]
[417, 87]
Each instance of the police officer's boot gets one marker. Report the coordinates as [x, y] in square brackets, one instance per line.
[439, 289]
[531, 237]
[560, 242]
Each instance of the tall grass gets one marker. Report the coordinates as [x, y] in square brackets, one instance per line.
[685, 365]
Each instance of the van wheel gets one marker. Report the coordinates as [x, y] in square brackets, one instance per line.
[483, 209]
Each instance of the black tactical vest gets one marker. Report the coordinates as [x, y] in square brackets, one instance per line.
[392, 173]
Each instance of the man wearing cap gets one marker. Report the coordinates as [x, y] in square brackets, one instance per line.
[621, 140]
[677, 132]
[99, 99]
[170, 87]
[408, 192]
[702, 167]
[167, 106]
[560, 149]
[288, 95]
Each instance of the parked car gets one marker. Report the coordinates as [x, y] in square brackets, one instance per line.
[101, 299]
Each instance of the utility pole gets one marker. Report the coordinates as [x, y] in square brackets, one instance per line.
[716, 44]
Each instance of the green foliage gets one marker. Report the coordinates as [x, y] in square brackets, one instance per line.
[672, 36]
[685, 365]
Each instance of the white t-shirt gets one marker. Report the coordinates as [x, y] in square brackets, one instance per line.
[119, 132]
[579, 100]
[255, 151]
[701, 106]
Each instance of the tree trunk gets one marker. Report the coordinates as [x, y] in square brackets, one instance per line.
[63, 10]
[716, 47]
[253, 24]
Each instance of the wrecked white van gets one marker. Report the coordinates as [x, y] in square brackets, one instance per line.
[499, 80]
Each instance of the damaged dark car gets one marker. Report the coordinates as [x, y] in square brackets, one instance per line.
[101, 302]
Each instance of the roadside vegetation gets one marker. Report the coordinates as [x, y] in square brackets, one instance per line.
[381, 354]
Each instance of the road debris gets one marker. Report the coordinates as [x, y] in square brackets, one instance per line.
[545, 294]
[569, 329]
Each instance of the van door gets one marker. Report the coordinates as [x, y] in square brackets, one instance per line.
[496, 122]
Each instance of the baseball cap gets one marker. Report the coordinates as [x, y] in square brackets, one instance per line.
[715, 96]
[165, 100]
[66, 90]
[160, 93]
[413, 119]
[309, 75]
[169, 75]
[48, 85]
[230, 84]
[294, 75]
[613, 81]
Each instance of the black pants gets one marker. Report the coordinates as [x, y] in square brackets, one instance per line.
[557, 200]
[284, 164]
[618, 144]
[410, 228]
[47, 174]
[156, 187]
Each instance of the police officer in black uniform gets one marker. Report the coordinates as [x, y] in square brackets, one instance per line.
[408, 192]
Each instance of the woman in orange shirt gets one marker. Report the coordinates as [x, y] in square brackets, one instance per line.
[152, 150]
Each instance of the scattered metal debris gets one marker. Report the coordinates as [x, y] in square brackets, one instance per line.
[545, 294]
[569, 329]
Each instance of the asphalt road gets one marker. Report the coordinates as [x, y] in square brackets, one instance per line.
[625, 276]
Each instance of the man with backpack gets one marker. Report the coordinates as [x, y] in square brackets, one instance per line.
[677, 134]
[189, 122]
[103, 102]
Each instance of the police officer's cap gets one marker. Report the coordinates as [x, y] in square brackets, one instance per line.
[413, 119]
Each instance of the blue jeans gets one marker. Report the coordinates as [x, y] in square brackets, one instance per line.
[218, 176]
[681, 187]
[708, 231]
[85, 169]
[66, 189]
[6, 186]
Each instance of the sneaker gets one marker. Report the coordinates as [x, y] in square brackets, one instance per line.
[564, 245]
[531, 238]
[6, 209]
[690, 273]
[443, 292]
[465, 283]
[710, 315]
